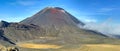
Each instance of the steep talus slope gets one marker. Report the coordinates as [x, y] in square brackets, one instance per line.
[52, 17]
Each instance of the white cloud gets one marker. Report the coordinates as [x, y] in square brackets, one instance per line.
[106, 27]
[105, 9]
[87, 19]
[90, 20]
[24, 2]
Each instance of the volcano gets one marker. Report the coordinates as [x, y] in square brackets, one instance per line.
[59, 23]
[51, 25]
[49, 22]
[53, 16]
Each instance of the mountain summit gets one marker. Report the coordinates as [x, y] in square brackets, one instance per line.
[53, 16]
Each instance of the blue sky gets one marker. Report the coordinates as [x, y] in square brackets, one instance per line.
[98, 11]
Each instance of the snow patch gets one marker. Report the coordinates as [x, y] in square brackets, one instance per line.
[62, 11]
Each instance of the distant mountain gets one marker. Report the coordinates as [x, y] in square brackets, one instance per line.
[115, 36]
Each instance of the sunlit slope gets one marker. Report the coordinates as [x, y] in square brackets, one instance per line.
[95, 47]
[39, 46]
[84, 47]
[100, 47]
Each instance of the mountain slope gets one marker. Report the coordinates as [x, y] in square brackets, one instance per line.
[59, 23]
[53, 17]
[51, 26]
